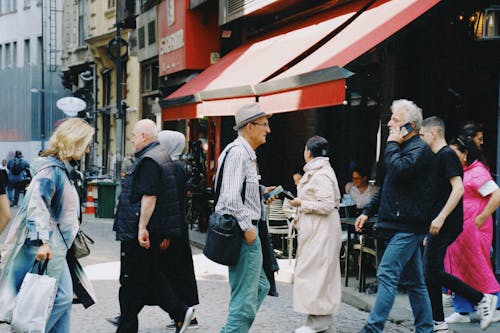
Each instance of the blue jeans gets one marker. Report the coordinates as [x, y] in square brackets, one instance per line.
[249, 287]
[401, 262]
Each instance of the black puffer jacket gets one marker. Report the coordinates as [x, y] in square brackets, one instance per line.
[404, 203]
[167, 220]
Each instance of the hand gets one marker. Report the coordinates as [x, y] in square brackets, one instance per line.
[164, 244]
[296, 202]
[250, 236]
[360, 221]
[44, 252]
[267, 190]
[143, 238]
[436, 225]
[479, 220]
[395, 134]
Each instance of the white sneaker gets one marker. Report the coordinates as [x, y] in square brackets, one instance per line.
[447, 301]
[456, 318]
[496, 317]
[486, 309]
[441, 327]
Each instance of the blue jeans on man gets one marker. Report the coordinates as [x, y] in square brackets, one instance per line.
[401, 262]
[249, 287]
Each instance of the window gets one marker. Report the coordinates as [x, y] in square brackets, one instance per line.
[151, 32]
[39, 50]
[146, 79]
[8, 6]
[81, 22]
[111, 4]
[106, 88]
[27, 53]
[14, 54]
[141, 37]
[1, 56]
[27, 3]
[8, 56]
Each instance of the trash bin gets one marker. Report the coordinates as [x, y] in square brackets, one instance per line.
[106, 199]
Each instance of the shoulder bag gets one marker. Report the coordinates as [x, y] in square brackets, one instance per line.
[224, 235]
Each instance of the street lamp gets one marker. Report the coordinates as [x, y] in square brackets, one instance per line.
[118, 52]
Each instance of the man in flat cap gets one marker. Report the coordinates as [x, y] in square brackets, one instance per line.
[242, 197]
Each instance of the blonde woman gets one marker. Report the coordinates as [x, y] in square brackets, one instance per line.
[47, 223]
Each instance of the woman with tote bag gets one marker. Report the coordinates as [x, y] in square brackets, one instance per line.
[47, 223]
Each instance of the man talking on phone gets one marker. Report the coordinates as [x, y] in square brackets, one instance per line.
[404, 206]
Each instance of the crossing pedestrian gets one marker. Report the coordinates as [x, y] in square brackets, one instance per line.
[404, 206]
[445, 227]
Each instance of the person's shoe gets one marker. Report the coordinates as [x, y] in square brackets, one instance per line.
[305, 329]
[114, 320]
[447, 301]
[192, 325]
[486, 309]
[187, 320]
[456, 318]
[441, 327]
[496, 317]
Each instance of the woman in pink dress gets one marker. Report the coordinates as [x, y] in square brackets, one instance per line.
[468, 258]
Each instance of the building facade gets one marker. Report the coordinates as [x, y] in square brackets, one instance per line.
[30, 81]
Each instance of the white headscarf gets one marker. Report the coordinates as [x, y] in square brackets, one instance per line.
[173, 142]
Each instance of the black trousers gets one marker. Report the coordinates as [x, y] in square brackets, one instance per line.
[436, 276]
[142, 282]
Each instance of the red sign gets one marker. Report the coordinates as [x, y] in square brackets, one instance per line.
[187, 38]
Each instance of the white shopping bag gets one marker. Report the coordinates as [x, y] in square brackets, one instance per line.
[34, 302]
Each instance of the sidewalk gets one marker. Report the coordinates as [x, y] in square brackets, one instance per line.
[401, 312]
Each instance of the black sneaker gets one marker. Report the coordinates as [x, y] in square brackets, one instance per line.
[192, 325]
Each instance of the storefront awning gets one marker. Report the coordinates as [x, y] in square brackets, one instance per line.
[255, 71]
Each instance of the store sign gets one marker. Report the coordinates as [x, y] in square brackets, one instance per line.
[172, 42]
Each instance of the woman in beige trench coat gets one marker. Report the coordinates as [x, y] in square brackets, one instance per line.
[317, 281]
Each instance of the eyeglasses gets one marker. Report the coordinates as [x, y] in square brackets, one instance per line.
[266, 125]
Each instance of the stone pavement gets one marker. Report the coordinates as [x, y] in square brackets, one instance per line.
[275, 316]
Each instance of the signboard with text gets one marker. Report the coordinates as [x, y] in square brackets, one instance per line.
[187, 38]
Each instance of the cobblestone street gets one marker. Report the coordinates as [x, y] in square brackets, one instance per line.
[276, 314]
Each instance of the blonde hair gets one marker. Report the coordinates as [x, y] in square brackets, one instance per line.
[70, 139]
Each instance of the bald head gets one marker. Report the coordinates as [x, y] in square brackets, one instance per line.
[144, 132]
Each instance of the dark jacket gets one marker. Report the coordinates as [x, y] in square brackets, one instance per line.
[127, 213]
[167, 220]
[404, 203]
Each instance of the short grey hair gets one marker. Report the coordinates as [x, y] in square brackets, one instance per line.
[413, 112]
[436, 123]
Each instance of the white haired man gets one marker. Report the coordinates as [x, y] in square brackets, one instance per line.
[404, 206]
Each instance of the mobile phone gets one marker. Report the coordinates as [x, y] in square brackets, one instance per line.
[406, 127]
[289, 195]
[274, 192]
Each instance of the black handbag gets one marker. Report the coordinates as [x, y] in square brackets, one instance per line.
[224, 235]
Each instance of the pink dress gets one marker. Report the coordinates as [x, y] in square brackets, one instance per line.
[468, 258]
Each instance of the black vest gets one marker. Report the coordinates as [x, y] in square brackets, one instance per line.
[167, 219]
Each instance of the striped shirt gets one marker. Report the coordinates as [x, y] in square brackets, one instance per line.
[240, 165]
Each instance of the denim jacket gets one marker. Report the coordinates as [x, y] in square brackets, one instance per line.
[50, 200]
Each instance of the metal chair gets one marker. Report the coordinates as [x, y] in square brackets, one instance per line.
[281, 224]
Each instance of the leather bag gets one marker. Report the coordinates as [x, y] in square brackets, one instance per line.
[224, 235]
[80, 247]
